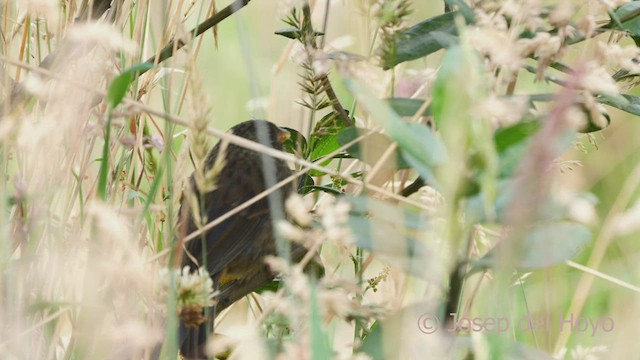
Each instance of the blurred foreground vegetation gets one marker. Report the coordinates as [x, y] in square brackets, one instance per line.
[454, 157]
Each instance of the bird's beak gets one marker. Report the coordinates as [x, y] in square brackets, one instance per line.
[283, 135]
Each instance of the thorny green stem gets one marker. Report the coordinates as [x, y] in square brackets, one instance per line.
[331, 95]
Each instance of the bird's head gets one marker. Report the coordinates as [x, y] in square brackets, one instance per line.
[261, 131]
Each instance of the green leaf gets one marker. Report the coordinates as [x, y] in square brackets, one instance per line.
[631, 9]
[628, 14]
[324, 188]
[137, 68]
[476, 207]
[118, 89]
[324, 146]
[631, 105]
[458, 89]
[426, 172]
[289, 33]
[335, 187]
[296, 143]
[272, 286]
[103, 175]
[515, 134]
[324, 139]
[512, 143]
[615, 19]
[464, 8]
[510, 159]
[305, 180]
[420, 147]
[407, 107]
[293, 33]
[324, 163]
[120, 84]
[445, 40]
[543, 246]
[372, 344]
[422, 39]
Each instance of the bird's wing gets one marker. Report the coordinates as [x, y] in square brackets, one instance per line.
[235, 235]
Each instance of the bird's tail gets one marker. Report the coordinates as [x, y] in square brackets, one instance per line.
[193, 340]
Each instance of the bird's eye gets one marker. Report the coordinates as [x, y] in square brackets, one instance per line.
[283, 135]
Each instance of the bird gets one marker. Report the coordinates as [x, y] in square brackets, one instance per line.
[233, 251]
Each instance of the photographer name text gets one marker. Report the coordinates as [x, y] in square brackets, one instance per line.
[428, 324]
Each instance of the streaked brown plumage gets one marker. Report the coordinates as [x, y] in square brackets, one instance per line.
[234, 250]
